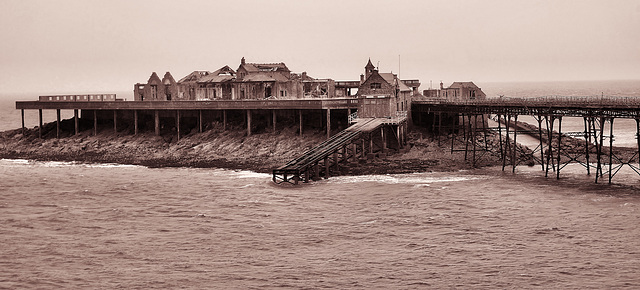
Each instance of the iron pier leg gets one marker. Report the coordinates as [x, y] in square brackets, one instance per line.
[157, 122]
[40, 123]
[599, 165]
[439, 126]
[300, 120]
[115, 121]
[610, 148]
[500, 140]
[587, 140]
[328, 123]
[466, 137]
[135, 122]
[22, 114]
[540, 139]
[484, 130]
[473, 127]
[224, 120]
[248, 122]
[515, 145]
[178, 123]
[507, 145]
[637, 138]
[95, 122]
[559, 145]
[550, 120]
[199, 121]
[57, 123]
[75, 119]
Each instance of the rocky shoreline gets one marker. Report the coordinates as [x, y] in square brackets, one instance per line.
[231, 149]
[214, 148]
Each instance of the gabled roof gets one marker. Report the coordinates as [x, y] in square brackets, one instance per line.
[225, 70]
[168, 79]
[265, 67]
[392, 80]
[154, 79]
[194, 76]
[457, 85]
[223, 74]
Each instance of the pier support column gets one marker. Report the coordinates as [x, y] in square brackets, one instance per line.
[550, 120]
[75, 120]
[637, 138]
[115, 121]
[135, 122]
[316, 171]
[539, 119]
[57, 123]
[178, 123]
[300, 121]
[559, 146]
[156, 116]
[326, 167]
[384, 139]
[22, 114]
[40, 123]
[514, 162]
[610, 148]
[95, 122]
[224, 120]
[248, 122]
[507, 144]
[587, 140]
[274, 120]
[199, 121]
[328, 123]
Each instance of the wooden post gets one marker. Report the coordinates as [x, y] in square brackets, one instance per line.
[57, 123]
[157, 122]
[316, 171]
[326, 167]
[95, 122]
[75, 119]
[328, 123]
[22, 114]
[135, 122]
[300, 118]
[248, 122]
[178, 123]
[40, 126]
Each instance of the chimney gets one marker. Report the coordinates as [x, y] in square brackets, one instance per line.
[361, 79]
[441, 87]
[242, 61]
[304, 75]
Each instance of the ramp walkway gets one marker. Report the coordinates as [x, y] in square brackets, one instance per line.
[308, 162]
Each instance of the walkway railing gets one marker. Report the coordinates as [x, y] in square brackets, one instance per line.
[546, 101]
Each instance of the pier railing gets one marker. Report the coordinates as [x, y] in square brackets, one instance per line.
[546, 101]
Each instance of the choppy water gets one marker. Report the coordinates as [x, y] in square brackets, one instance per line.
[78, 226]
[66, 225]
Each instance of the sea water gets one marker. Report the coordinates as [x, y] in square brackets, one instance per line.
[72, 225]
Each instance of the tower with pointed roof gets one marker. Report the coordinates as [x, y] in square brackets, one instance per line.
[368, 69]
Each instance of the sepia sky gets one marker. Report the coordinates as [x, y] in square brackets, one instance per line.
[107, 46]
